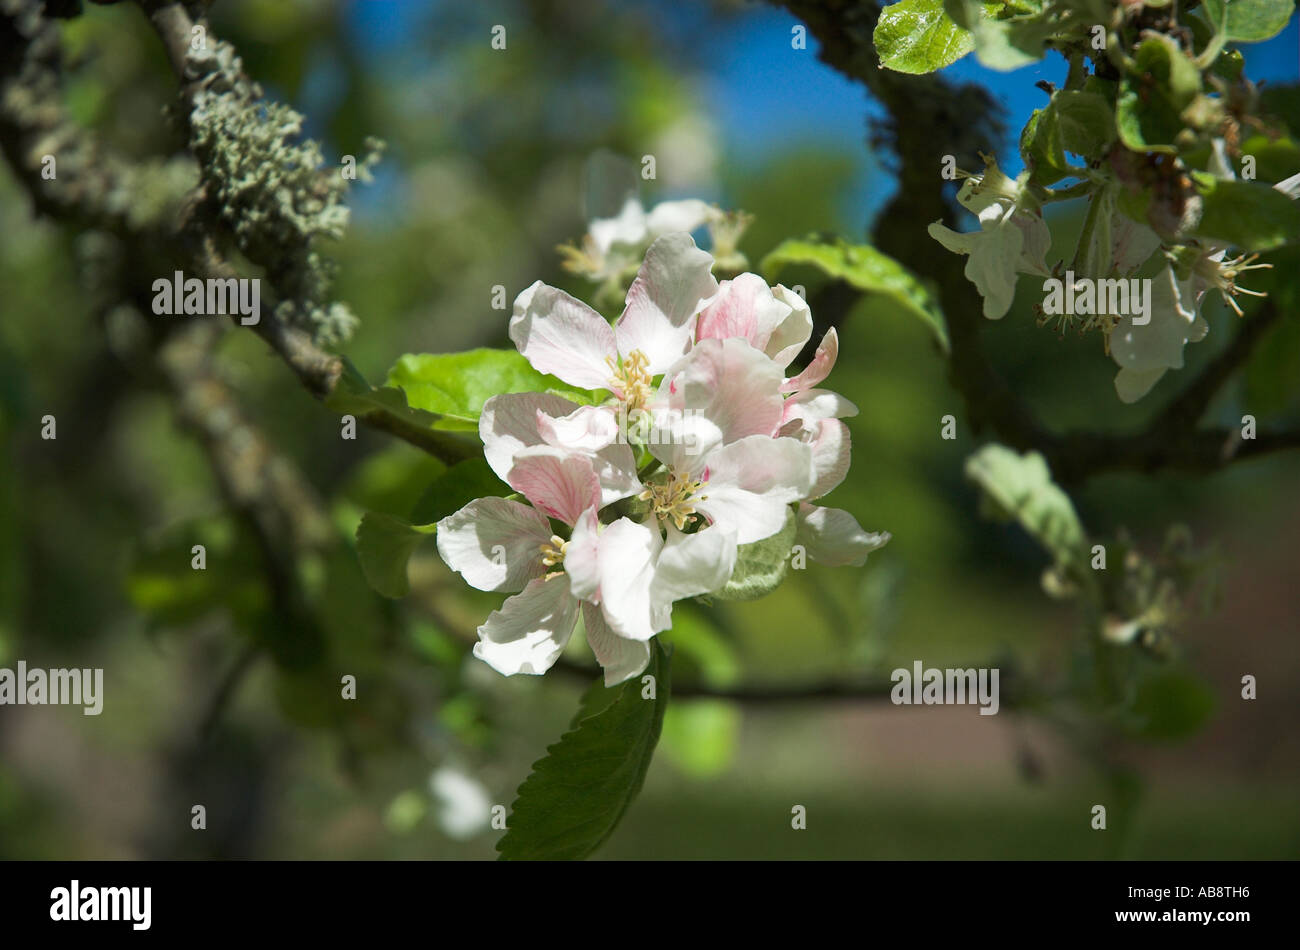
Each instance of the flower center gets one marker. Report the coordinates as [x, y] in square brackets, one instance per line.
[674, 499]
[553, 552]
[1223, 277]
[632, 379]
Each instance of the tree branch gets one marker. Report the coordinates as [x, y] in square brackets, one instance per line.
[918, 105]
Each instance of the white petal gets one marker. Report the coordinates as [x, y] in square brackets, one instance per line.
[494, 543]
[509, 423]
[561, 335]
[831, 449]
[527, 634]
[690, 565]
[620, 657]
[685, 215]
[586, 429]
[750, 482]
[812, 405]
[616, 572]
[629, 228]
[559, 484]
[659, 319]
[834, 537]
[1133, 384]
[790, 335]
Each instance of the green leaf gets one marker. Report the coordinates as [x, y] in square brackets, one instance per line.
[867, 269]
[1246, 214]
[1074, 121]
[386, 408]
[917, 36]
[1004, 42]
[384, 545]
[455, 385]
[1021, 486]
[1153, 96]
[579, 792]
[1275, 160]
[456, 488]
[1086, 121]
[760, 566]
[1249, 21]
[1041, 148]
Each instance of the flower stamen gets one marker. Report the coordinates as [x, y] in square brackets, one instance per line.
[675, 499]
[632, 379]
[553, 553]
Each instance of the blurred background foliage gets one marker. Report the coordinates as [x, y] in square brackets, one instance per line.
[483, 178]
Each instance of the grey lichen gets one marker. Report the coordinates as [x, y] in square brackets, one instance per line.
[269, 187]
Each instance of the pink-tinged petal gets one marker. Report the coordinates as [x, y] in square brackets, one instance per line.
[819, 368]
[813, 405]
[834, 537]
[587, 429]
[594, 431]
[751, 481]
[619, 657]
[509, 423]
[792, 333]
[494, 543]
[831, 449]
[530, 630]
[731, 385]
[659, 319]
[743, 308]
[561, 335]
[558, 484]
[690, 565]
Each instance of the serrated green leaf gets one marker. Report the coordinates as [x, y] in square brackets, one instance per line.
[1022, 487]
[1249, 21]
[1152, 97]
[576, 796]
[760, 566]
[867, 269]
[918, 36]
[1246, 214]
[455, 385]
[384, 546]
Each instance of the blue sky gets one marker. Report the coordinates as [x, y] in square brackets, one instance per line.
[753, 82]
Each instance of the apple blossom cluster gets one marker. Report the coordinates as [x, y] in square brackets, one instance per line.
[1014, 239]
[696, 445]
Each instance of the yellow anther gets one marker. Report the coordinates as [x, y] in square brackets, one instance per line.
[675, 499]
[632, 379]
[553, 551]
